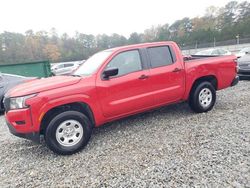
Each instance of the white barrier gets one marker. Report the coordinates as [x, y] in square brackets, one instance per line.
[232, 48]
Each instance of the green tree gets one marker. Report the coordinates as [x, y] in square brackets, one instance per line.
[52, 52]
[135, 38]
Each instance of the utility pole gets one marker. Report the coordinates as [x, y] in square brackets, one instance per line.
[238, 39]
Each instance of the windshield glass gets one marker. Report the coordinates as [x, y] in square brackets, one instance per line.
[245, 50]
[92, 64]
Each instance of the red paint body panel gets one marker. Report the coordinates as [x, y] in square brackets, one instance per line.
[20, 115]
[167, 86]
[122, 96]
[222, 68]
[43, 84]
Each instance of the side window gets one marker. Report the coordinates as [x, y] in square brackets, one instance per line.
[59, 66]
[68, 65]
[126, 62]
[160, 56]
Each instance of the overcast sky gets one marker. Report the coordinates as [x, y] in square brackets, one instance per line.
[97, 16]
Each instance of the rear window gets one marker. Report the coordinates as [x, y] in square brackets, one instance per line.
[160, 56]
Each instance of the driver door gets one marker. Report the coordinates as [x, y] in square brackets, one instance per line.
[128, 91]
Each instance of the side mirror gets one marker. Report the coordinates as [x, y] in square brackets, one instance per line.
[110, 72]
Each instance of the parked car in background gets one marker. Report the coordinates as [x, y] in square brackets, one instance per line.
[113, 84]
[243, 52]
[81, 62]
[214, 51]
[244, 67]
[65, 68]
[7, 81]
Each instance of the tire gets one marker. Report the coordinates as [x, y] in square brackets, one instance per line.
[202, 97]
[68, 132]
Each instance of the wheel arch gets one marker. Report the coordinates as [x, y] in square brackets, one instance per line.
[75, 106]
[209, 78]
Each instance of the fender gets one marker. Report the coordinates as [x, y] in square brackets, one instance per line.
[195, 73]
[48, 105]
[222, 68]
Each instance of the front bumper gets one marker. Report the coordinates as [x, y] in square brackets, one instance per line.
[20, 124]
[34, 136]
[235, 81]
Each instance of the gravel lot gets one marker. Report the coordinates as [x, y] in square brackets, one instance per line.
[168, 147]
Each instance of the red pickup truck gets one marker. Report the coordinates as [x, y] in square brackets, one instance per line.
[113, 84]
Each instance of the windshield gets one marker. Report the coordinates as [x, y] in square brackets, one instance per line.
[245, 50]
[92, 64]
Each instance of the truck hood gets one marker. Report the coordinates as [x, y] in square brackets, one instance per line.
[42, 84]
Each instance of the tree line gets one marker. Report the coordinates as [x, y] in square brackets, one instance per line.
[218, 23]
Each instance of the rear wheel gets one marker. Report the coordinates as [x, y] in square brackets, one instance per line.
[68, 132]
[202, 97]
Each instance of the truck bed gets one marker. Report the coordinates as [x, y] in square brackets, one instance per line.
[195, 57]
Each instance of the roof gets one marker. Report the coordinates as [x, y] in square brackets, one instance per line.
[141, 45]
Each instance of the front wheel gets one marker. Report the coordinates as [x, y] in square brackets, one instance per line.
[68, 132]
[202, 97]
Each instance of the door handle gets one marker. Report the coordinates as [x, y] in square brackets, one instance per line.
[177, 70]
[142, 77]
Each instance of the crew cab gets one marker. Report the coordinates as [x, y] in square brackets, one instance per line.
[113, 84]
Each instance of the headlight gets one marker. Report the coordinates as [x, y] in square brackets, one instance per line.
[19, 102]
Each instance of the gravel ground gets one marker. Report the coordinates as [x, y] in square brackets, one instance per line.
[168, 147]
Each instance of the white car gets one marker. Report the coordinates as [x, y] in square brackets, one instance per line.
[214, 51]
[243, 52]
[64, 68]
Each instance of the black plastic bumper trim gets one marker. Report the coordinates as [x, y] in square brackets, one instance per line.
[34, 136]
[235, 81]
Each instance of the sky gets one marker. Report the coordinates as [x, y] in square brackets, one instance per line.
[97, 16]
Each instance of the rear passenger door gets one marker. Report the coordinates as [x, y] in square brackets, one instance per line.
[166, 75]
